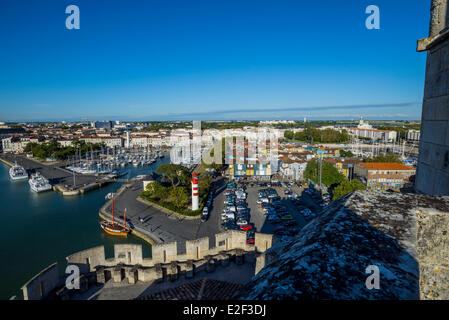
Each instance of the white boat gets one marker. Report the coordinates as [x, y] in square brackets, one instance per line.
[17, 172]
[39, 184]
[109, 196]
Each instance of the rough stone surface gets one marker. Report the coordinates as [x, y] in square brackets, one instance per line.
[405, 235]
[432, 175]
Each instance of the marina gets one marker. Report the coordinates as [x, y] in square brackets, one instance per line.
[80, 174]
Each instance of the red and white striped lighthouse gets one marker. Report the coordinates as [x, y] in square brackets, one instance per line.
[195, 199]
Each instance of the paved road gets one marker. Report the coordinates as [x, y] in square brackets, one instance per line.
[164, 226]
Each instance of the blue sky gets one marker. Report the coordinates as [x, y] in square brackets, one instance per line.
[211, 60]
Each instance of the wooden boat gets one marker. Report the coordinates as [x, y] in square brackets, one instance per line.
[114, 228]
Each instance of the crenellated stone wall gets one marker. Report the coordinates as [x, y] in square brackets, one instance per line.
[166, 263]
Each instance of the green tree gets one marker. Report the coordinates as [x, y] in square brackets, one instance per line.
[289, 134]
[204, 183]
[29, 147]
[179, 197]
[157, 191]
[347, 187]
[175, 173]
[329, 174]
[347, 154]
[386, 157]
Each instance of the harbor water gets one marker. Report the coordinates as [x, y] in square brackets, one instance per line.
[40, 229]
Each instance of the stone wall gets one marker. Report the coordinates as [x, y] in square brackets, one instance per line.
[42, 284]
[433, 253]
[432, 176]
[405, 235]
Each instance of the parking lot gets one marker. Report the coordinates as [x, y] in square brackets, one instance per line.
[284, 212]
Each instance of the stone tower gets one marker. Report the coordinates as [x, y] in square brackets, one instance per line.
[432, 176]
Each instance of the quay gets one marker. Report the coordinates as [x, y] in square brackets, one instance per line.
[61, 179]
[160, 226]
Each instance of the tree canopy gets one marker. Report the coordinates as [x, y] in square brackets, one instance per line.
[385, 157]
[179, 197]
[156, 191]
[329, 174]
[346, 154]
[346, 187]
[54, 149]
[310, 134]
[175, 173]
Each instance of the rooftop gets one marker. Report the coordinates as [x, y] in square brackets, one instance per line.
[385, 166]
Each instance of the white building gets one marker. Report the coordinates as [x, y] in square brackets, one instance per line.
[13, 144]
[365, 130]
[413, 135]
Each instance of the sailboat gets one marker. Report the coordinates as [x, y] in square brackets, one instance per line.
[114, 228]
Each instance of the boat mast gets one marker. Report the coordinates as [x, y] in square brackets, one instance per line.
[125, 219]
[112, 209]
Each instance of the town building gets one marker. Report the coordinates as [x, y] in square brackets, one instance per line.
[413, 135]
[365, 130]
[344, 166]
[383, 175]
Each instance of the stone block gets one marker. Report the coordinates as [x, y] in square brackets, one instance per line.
[211, 265]
[132, 275]
[190, 269]
[224, 259]
[159, 273]
[84, 284]
[200, 265]
[239, 257]
[117, 274]
[260, 263]
[101, 276]
[172, 271]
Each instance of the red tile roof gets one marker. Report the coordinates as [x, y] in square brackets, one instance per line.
[385, 166]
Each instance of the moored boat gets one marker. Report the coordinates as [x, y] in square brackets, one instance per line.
[39, 184]
[113, 228]
[17, 172]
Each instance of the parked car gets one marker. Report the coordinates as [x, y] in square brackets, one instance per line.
[246, 227]
[205, 214]
[287, 217]
[274, 219]
[241, 222]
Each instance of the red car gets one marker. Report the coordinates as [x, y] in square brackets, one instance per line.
[250, 241]
[246, 227]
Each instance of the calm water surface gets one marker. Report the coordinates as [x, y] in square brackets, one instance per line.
[40, 229]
